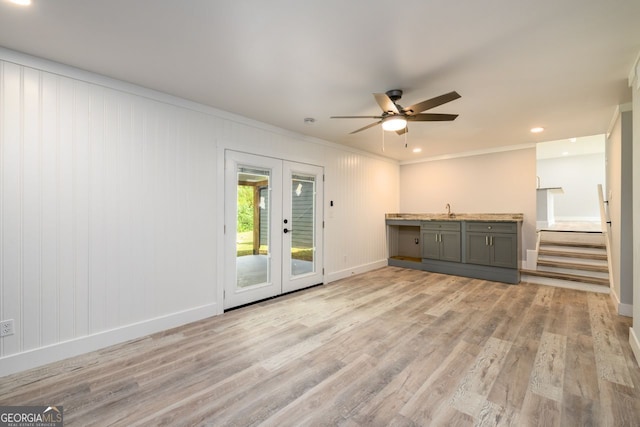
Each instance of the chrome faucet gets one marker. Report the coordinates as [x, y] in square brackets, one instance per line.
[448, 208]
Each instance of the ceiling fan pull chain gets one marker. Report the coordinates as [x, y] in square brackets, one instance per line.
[406, 144]
[382, 139]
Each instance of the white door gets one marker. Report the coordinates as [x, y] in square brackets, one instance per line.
[273, 227]
[302, 221]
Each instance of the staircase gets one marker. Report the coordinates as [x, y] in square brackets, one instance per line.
[570, 259]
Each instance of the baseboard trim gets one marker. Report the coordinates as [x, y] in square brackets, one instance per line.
[342, 274]
[53, 353]
[635, 344]
[623, 309]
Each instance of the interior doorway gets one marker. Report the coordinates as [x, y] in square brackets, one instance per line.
[273, 227]
[568, 173]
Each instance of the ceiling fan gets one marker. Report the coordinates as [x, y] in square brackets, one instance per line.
[394, 117]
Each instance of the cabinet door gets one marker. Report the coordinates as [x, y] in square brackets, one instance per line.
[450, 246]
[430, 245]
[478, 249]
[505, 250]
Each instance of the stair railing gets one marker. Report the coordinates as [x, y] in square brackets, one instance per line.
[605, 223]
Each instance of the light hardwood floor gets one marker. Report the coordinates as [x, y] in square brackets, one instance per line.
[390, 347]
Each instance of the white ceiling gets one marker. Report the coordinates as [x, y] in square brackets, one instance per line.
[593, 144]
[560, 64]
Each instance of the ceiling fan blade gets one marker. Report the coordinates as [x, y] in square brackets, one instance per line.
[366, 127]
[403, 130]
[432, 117]
[355, 117]
[432, 103]
[385, 103]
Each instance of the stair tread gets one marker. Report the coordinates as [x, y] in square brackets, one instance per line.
[573, 244]
[574, 265]
[567, 276]
[573, 254]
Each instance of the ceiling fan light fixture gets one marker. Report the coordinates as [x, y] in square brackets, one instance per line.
[394, 123]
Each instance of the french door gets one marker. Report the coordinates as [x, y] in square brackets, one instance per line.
[273, 227]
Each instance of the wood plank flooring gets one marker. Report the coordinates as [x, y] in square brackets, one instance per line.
[390, 347]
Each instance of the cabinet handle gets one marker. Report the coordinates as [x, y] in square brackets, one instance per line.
[491, 240]
[486, 240]
[436, 237]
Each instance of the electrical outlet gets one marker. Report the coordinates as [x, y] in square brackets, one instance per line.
[6, 328]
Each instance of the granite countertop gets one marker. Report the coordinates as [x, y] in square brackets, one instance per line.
[496, 217]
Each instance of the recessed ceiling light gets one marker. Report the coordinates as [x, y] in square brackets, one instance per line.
[536, 130]
[22, 2]
[417, 150]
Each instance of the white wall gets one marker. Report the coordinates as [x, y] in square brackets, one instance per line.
[634, 335]
[503, 182]
[580, 199]
[110, 208]
[619, 196]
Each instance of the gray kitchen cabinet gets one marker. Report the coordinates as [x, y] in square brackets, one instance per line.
[492, 244]
[479, 248]
[441, 240]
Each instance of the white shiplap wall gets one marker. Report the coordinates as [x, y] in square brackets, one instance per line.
[110, 208]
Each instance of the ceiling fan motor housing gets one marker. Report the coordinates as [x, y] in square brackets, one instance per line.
[394, 94]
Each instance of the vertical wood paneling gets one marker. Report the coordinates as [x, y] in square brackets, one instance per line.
[2, 157]
[137, 310]
[110, 235]
[97, 209]
[50, 211]
[108, 206]
[66, 215]
[31, 210]
[11, 171]
[80, 190]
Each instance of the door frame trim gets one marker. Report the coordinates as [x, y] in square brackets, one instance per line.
[219, 196]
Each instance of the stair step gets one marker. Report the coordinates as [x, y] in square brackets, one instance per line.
[573, 244]
[573, 265]
[573, 254]
[566, 276]
[558, 283]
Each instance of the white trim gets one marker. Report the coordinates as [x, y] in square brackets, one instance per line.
[635, 344]
[634, 74]
[41, 356]
[342, 274]
[63, 70]
[471, 153]
[594, 219]
[626, 108]
[622, 108]
[625, 310]
[622, 309]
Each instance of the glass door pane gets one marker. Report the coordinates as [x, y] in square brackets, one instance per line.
[303, 234]
[252, 241]
[302, 226]
[252, 236]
